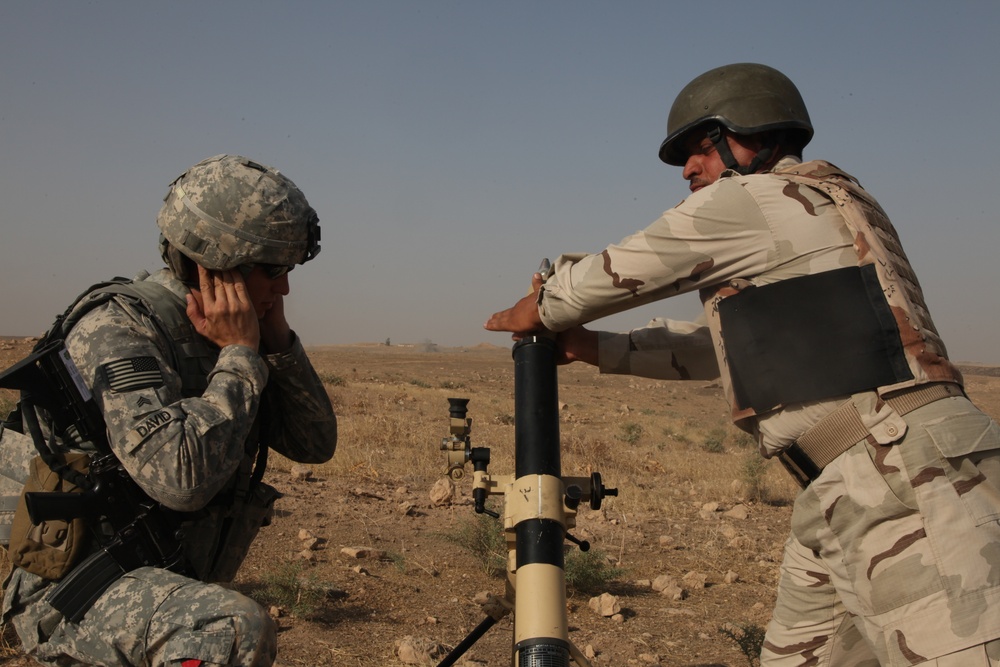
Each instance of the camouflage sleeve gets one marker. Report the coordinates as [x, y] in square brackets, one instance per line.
[305, 426]
[181, 451]
[664, 349]
[716, 234]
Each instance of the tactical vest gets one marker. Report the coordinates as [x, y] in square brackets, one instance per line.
[190, 354]
[891, 341]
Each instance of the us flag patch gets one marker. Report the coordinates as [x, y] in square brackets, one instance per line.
[133, 374]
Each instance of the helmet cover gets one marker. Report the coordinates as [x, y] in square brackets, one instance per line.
[228, 210]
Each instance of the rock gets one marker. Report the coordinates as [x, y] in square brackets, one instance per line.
[301, 473]
[667, 586]
[363, 552]
[731, 577]
[443, 492]
[305, 534]
[740, 513]
[695, 579]
[418, 651]
[605, 604]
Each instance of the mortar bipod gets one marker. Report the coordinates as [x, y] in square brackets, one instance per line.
[539, 509]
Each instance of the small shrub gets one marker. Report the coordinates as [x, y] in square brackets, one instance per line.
[483, 537]
[631, 433]
[589, 571]
[332, 380]
[714, 441]
[504, 419]
[748, 637]
[288, 588]
[420, 383]
[754, 471]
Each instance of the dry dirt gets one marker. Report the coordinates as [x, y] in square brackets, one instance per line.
[678, 466]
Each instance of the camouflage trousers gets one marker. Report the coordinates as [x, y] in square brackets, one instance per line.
[894, 557]
[149, 617]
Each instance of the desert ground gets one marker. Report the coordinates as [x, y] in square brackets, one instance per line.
[371, 560]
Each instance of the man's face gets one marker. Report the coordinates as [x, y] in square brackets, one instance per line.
[264, 290]
[704, 164]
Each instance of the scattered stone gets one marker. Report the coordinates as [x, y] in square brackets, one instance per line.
[274, 611]
[727, 531]
[740, 513]
[418, 651]
[731, 577]
[589, 652]
[363, 552]
[305, 534]
[443, 492]
[618, 618]
[605, 605]
[311, 544]
[695, 579]
[740, 542]
[667, 586]
[301, 473]
[649, 658]
[642, 583]
[307, 555]
[360, 570]
[361, 493]
[407, 509]
[666, 541]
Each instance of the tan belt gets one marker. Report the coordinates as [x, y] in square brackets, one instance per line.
[841, 429]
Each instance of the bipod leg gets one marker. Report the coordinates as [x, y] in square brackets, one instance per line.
[579, 658]
[495, 608]
[467, 643]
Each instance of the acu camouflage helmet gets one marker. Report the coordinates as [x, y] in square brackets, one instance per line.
[227, 210]
[745, 98]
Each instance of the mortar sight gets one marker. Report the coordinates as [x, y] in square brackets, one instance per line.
[458, 407]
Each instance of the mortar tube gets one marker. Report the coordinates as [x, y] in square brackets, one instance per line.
[541, 634]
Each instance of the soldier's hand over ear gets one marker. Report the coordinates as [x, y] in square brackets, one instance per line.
[221, 310]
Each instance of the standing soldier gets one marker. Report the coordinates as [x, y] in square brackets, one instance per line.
[829, 357]
[197, 374]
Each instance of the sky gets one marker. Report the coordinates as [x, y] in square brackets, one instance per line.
[448, 146]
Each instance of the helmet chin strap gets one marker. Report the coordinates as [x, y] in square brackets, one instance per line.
[718, 138]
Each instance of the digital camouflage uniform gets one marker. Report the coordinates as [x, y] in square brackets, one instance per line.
[898, 539]
[194, 452]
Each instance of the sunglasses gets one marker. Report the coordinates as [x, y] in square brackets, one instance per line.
[273, 271]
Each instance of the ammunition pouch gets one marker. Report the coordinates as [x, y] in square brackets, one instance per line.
[16, 452]
[52, 547]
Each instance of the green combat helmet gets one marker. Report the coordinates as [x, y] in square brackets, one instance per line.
[227, 210]
[745, 98]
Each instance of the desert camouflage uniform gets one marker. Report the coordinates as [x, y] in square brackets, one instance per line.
[874, 548]
[194, 453]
